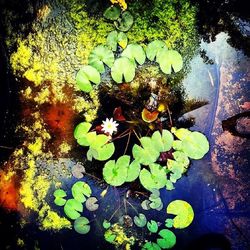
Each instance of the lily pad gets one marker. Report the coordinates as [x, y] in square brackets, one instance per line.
[152, 226]
[125, 22]
[183, 211]
[123, 68]
[115, 38]
[145, 204]
[135, 52]
[168, 239]
[133, 171]
[101, 55]
[82, 129]
[155, 178]
[72, 208]
[112, 13]
[153, 48]
[86, 76]
[169, 223]
[140, 220]
[81, 225]
[150, 246]
[91, 204]
[168, 60]
[59, 195]
[79, 190]
[106, 224]
[78, 171]
[115, 173]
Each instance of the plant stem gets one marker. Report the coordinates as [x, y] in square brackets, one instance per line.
[127, 142]
[136, 135]
[170, 118]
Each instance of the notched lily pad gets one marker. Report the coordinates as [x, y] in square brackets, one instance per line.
[91, 204]
[140, 220]
[73, 208]
[125, 22]
[79, 190]
[168, 239]
[112, 13]
[78, 171]
[115, 38]
[81, 225]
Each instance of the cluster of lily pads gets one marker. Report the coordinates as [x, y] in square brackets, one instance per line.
[73, 207]
[181, 143]
[166, 239]
[123, 68]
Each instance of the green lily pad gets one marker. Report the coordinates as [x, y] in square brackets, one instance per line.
[115, 38]
[112, 13]
[153, 48]
[152, 226]
[123, 68]
[140, 220]
[169, 185]
[155, 178]
[106, 224]
[133, 171]
[82, 129]
[183, 211]
[81, 225]
[145, 205]
[59, 195]
[115, 173]
[72, 208]
[195, 145]
[135, 52]
[169, 223]
[105, 152]
[168, 239]
[86, 76]
[109, 236]
[79, 190]
[99, 56]
[125, 22]
[168, 60]
[155, 203]
[150, 246]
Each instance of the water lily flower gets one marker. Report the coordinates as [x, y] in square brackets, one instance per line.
[109, 126]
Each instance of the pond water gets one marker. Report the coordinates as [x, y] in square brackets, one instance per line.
[38, 127]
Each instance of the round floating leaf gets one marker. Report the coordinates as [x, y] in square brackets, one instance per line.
[169, 223]
[106, 224]
[168, 239]
[195, 145]
[167, 139]
[140, 220]
[115, 38]
[156, 203]
[85, 76]
[123, 68]
[169, 185]
[112, 13]
[177, 145]
[91, 204]
[152, 226]
[125, 22]
[59, 195]
[133, 171]
[109, 236]
[181, 133]
[146, 155]
[100, 55]
[78, 171]
[155, 178]
[59, 201]
[105, 152]
[145, 205]
[153, 48]
[81, 225]
[82, 129]
[169, 59]
[150, 246]
[81, 189]
[72, 208]
[115, 173]
[183, 211]
[135, 52]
